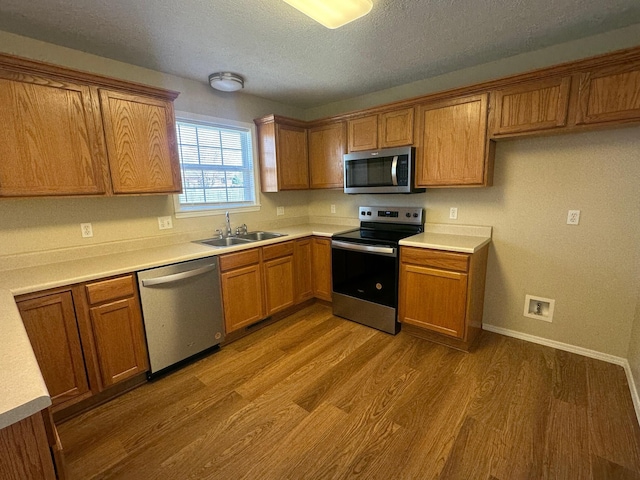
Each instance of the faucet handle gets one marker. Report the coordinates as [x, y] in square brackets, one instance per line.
[219, 232]
[244, 228]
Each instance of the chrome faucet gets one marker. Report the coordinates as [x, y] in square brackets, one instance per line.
[229, 232]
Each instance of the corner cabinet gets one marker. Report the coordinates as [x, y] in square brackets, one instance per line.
[452, 148]
[74, 133]
[282, 145]
[441, 294]
[327, 145]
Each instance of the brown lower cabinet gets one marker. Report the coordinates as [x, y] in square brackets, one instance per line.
[86, 337]
[321, 268]
[28, 450]
[441, 294]
[262, 281]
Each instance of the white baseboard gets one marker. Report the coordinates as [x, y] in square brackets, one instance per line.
[623, 362]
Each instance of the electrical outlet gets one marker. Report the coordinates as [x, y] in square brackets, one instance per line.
[280, 211]
[87, 230]
[164, 223]
[573, 217]
[453, 213]
[333, 209]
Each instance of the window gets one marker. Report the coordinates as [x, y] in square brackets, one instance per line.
[217, 167]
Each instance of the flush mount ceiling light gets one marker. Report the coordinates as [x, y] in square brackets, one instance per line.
[226, 81]
[333, 13]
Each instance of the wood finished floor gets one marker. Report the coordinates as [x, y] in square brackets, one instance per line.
[318, 397]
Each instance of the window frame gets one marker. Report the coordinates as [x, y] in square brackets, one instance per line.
[184, 211]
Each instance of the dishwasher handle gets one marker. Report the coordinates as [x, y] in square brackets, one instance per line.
[178, 276]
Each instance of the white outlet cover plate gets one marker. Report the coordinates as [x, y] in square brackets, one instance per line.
[453, 213]
[87, 230]
[280, 211]
[573, 217]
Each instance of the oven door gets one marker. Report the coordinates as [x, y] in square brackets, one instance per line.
[365, 283]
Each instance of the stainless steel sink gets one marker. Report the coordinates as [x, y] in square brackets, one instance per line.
[225, 242]
[257, 236]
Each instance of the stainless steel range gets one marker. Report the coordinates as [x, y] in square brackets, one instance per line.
[365, 265]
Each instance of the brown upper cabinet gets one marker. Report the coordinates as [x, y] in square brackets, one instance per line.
[140, 134]
[326, 148]
[609, 95]
[74, 133]
[383, 130]
[532, 106]
[452, 147]
[49, 141]
[282, 143]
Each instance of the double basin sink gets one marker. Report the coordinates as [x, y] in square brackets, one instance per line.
[240, 239]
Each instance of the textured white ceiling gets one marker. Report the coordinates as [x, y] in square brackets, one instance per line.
[287, 57]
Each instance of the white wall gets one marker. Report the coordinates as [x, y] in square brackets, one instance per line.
[591, 270]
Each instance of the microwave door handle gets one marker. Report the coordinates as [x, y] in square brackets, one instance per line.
[394, 171]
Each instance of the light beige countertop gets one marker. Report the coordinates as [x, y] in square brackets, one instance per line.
[23, 390]
[452, 238]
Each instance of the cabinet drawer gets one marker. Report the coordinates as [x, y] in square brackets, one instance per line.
[435, 258]
[113, 289]
[277, 250]
[239, 259]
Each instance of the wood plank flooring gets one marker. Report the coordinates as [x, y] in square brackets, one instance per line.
[318, 397]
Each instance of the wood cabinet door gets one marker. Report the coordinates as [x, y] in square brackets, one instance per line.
[395, 129]
[321, 268]
[292, 157]
[242, 297]
[327, 145]
[119, 340]
[302, 270]
[363, 133]
[24, 451]
[50, 322]
[530, 107]
[609, 95]
[452, 148]
[140, 134]
[278, 284]
[49, 141]
[433, 299]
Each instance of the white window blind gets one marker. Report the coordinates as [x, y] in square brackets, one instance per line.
[216, 162]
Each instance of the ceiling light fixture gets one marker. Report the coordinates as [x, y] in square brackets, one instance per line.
[226, 81]
[333, 13]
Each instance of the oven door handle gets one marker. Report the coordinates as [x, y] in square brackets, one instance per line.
[360, 247]
[394, 171]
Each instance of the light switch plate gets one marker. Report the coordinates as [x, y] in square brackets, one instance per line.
[164, 223]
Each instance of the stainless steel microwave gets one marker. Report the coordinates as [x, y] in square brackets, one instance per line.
[389, 170]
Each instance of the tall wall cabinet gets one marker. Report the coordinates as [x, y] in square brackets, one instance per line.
[73, 133]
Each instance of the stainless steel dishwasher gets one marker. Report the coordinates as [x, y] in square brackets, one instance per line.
[182, 311]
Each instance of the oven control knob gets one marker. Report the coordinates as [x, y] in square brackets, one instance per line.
[369, 213]
[415, 215]
[408, 215]
[362, 212]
